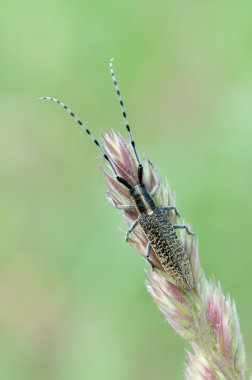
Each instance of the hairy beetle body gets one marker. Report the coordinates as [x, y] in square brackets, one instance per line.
[167, 247]
[162, 237]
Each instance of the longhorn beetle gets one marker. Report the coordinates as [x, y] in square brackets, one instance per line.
[153, 219]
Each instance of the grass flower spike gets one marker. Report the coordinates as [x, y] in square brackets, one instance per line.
[203, 315]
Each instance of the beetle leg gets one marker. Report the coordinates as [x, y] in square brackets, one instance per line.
[168, 208]
[178, 226]
[147, 250]
[131, 228]
[126, 207]
[147, 254]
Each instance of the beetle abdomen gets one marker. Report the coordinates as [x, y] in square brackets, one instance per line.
[163, 239]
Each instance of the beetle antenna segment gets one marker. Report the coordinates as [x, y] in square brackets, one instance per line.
[120, 179]
[140, 167]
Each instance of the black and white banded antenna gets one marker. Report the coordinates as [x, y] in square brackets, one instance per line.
[126, 122]
[119, 179]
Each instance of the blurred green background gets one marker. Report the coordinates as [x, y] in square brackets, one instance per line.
[73, 300]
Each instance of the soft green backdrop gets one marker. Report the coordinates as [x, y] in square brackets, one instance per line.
[73, 304]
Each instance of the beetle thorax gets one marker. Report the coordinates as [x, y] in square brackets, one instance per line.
[144, 202]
